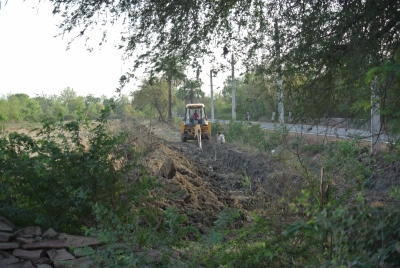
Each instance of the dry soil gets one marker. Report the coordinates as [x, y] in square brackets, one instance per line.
[202, 182]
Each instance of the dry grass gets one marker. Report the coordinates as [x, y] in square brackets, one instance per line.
[22, 127]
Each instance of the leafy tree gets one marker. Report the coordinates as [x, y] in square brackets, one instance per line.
[190, 90]
[153, 93]
[4, 109]
[331, 44]
[67, 95]
[69, 99]
[159, 30]
[99, 107]
[123, 107]
[33, 110]
[58, 108]
[16, 105]
[92, 99]
[172, 71]
[222, 106]
[325, 44]
[21, 107]
[94, 110]
[44, 102]
[76, 105]
[93, 106]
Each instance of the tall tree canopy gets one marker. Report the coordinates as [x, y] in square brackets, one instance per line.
[331, 45]
[328, 45]
[190, 91]
[172, 71]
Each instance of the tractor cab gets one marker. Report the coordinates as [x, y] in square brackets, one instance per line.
[195, 114]
[195, 121]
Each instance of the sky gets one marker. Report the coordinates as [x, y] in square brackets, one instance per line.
[35, 62]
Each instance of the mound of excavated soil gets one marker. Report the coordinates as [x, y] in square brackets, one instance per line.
[202, 182]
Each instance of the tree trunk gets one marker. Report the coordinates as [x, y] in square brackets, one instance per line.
[375, 117]
[212, 96]
[233, 89]
[281, 113]
[169, 99]
[160, 115]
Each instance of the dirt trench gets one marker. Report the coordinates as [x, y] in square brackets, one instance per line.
[201, 183]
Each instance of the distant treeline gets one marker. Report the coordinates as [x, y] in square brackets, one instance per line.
[16, 108]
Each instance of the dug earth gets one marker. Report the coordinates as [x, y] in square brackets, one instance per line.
[202, 182]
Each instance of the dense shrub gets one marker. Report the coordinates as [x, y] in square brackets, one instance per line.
[56, 177]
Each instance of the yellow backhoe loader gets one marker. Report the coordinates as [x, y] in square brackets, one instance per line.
[195, 124]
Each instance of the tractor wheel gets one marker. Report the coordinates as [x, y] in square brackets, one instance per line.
[183, 138]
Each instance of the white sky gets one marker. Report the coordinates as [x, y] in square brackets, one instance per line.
[33, 61]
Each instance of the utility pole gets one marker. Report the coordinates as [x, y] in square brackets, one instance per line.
[212, 96]
[233, 89]
[281, 113]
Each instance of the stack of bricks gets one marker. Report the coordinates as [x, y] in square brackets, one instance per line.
[29, 247]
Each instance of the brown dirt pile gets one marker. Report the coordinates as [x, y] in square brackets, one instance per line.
[202, 182]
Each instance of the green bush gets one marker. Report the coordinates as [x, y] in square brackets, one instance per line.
[251, 134]
[55, 178]
[357, 236]
[342, 160]
[254, 135]
[236, 130]
[145, 226]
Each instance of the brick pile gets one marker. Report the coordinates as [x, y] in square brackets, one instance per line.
[29, 247]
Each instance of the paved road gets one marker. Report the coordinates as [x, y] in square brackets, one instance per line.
[319, 130]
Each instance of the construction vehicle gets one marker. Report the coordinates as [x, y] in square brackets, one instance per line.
[195, 124]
